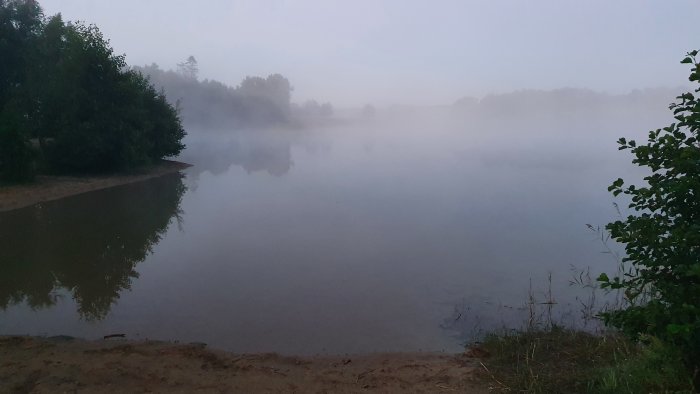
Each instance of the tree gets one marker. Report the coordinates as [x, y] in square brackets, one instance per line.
[62, 84]
[20, 27]
[189, 68]
[16, 154]
[266, 99]
[103, 116]
[255, 102]
[662, 238]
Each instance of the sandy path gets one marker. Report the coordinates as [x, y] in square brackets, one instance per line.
[36, 365]
[47, 188]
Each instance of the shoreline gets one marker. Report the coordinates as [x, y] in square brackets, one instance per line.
[64, 364]
[50, 187]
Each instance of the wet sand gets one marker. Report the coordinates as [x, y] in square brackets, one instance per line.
[47, 188]
[45, 365]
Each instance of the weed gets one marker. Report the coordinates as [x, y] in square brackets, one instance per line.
[566, 361]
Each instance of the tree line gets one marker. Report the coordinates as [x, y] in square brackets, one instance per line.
[68, 104]
[255, 102]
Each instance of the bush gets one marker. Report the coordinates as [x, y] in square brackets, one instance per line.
[662, 238]
[653, 367]
[565, 361]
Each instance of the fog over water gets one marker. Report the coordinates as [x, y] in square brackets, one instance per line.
[410, 230]
[367, 175]
[406, 52]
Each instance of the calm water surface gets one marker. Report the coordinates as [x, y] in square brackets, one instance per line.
[384, 236]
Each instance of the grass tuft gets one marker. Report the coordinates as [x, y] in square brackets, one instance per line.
[566, 361]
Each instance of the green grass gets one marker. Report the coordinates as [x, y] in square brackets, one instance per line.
[566, 361]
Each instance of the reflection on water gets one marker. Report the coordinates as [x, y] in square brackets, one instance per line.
[88, 244]
[253, 151]
[391, 235]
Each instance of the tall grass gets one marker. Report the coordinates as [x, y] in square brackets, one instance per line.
[545, 357]
[567, 361]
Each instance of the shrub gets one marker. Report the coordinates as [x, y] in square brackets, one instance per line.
[662, 237]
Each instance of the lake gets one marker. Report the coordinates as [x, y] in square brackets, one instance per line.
[406, 232]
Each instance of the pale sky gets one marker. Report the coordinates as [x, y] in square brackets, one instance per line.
[407, 52]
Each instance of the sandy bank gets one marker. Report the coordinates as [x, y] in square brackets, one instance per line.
[41, 365]
[47, 188]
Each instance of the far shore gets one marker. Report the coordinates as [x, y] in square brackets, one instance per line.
[64, 364]
[48, 188]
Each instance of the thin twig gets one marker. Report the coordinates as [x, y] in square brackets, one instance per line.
[493, 377]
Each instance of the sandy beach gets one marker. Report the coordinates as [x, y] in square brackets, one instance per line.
[48, 188]
[67, 365]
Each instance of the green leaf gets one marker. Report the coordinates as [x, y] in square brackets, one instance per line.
[662, 235]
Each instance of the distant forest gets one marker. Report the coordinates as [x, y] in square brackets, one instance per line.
[255, 102]
[558, 102]
[68, 104]
[566, 110]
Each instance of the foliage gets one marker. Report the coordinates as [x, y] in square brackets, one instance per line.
[662, 240]
[654, 367]
[255, 102]
[16, 154]
[20, 25]
[64, 86]
[565, 361]
[312, 109]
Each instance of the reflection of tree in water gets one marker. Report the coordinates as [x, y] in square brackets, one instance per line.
[88, 244]
[256, 152]
[271, 156]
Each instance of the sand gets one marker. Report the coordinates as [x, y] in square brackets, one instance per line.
[47, 188]
[66, 365]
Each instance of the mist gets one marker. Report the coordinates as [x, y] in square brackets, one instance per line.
[366, 176]
[393, 52]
